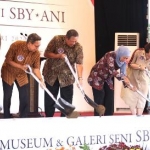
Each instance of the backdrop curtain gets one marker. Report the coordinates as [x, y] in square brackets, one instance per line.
[118, 16]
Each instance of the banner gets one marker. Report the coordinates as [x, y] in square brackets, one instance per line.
[19, 18]
[55, 133]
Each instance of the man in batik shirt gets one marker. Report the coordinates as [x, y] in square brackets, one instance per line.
[56, 73]
[19, 55]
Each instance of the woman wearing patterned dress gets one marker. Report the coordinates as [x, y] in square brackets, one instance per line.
[101, 76]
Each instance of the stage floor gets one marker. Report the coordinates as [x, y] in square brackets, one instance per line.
[82, 114]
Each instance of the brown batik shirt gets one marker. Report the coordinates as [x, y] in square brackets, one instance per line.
[57, 68]
[103, 71]
[19, 53]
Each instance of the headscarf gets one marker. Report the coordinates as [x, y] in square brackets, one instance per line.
[122, 51]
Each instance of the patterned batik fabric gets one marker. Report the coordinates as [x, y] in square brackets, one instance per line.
[103, 71]
[19, 53]
[57, 68]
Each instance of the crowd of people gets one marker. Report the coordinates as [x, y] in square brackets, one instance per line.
[56, 75]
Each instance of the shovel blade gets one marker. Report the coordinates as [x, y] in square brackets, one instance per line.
[62, 110]
[90, 102]
[69, 108]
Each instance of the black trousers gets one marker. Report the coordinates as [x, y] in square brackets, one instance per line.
[23, 99]
[104, 97]
[65, 92]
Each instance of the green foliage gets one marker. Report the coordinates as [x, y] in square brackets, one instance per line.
[85, 147]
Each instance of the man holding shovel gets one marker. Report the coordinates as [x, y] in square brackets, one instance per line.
[56, 73]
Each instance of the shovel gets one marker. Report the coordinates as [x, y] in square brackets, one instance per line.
[99, 108]
[62, 105]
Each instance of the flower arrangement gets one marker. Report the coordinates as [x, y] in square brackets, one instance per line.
[64, 148]
[121, 146]
[84, 147]
[118, 146]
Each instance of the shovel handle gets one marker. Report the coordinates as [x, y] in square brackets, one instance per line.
[70, 67]
[140, 93]
[29, 71]
[147, 72]
[87, 99]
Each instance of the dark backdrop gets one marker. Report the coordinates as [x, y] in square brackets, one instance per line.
[118, 16]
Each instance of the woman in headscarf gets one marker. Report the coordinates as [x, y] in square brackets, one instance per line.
[139, 61]
[101, 76]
